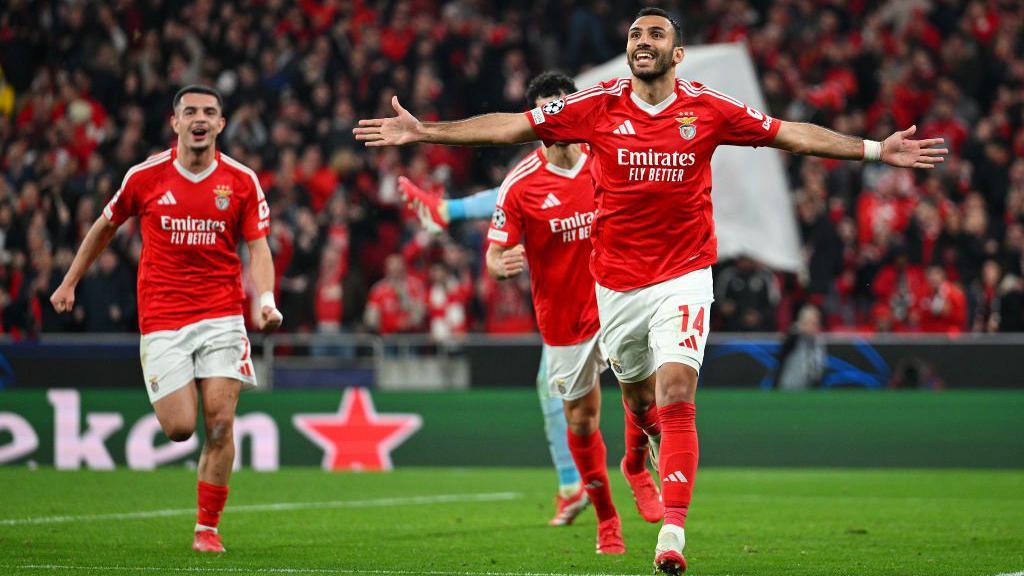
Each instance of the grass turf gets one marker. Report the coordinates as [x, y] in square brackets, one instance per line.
[744, 521]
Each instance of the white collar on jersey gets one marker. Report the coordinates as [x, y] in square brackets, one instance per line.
[193, 176]
[569, 173]
[653, 109]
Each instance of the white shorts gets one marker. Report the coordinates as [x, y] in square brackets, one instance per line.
[218, 347]
[647, 327]
[573, 370]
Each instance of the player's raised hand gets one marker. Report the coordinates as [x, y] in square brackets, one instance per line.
[900, 150]
[513, 261]
[270, 318]
[401, 129]
[63, 298]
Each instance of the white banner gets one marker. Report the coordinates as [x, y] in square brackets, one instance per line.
[754, 213]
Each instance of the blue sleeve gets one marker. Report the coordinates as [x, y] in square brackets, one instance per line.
[475, 207]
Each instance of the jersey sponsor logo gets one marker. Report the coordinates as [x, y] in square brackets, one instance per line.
[554, 107]
[573, 228]
[189, 231]
[223, 199]
[653, 166]
[687, 126]
[167, 199]
[550, 202]
[499, 219]
[626, 128]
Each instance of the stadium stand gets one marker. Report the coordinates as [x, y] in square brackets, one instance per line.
[85, 87]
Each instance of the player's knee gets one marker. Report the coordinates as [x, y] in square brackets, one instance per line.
[219, 428]
[638, 407]
[583, 426]
[179, 431]
[676, 383]
[582, 420]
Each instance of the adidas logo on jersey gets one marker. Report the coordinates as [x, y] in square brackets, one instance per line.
[167, 199]
[676, 476]
[550, 202]
[625, 128]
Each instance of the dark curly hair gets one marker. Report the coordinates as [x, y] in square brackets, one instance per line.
[551, 83]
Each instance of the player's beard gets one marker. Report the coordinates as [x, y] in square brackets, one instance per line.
[662, 63]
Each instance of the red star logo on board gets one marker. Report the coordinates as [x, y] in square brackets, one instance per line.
[356, 437]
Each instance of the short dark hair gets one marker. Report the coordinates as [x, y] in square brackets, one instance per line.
[551, 83]
[197, 89]
[676, 26]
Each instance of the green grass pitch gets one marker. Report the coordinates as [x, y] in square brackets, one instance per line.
[478, 522]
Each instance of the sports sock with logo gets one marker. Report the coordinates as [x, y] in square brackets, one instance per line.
[590, 455]
[637, 433]
[677, 463]
[211, 504]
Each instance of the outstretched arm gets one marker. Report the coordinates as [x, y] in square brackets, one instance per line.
[404, 128]
[95, 241]
[896, 150]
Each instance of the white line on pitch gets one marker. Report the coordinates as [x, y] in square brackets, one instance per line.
[280, 506]
[258, 570]
[1012, 574]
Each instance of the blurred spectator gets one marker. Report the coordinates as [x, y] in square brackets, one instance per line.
[943, 308]
[802, 358]
[85, 93]
[746, 293]
[397, 303]
[107, 296]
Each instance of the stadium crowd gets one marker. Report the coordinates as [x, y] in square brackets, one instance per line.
[85, 89]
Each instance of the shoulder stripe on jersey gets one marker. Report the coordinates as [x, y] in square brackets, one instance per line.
[593, 89]
[519, 173]
[614, 90]
[694, 91]
[255, 179]
[617, 91]
[150, 162]
[526, 166]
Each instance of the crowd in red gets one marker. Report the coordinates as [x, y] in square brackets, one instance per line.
[85, 90]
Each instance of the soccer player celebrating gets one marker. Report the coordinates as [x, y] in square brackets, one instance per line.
[194, 206]
[653, 135]
[435, 215]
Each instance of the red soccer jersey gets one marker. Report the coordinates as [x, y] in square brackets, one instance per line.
[550, 210]
[654, 219]
[191, 225]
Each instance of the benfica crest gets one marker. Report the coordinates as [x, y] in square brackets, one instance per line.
[687, 126]
[223, 199]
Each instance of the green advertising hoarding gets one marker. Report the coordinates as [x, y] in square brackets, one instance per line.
[361, 429]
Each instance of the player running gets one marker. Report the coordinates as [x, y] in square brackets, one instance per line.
[194, 206]
[543, 215]
[653, 136]
[559, 162]
[435, 214]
